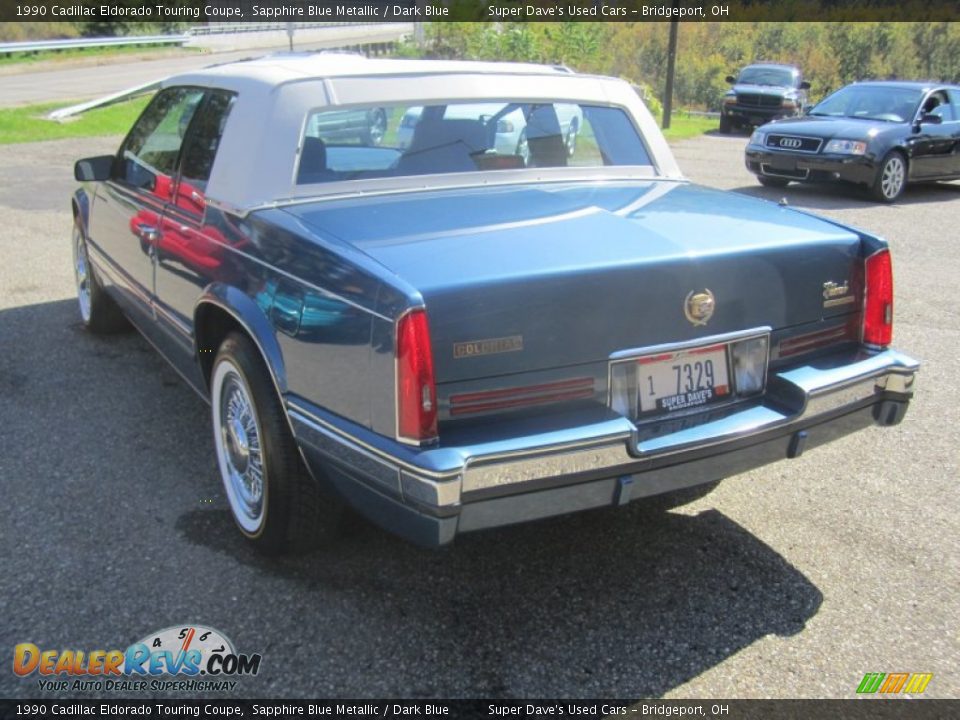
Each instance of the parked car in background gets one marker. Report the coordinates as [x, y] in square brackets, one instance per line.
[763, 92]
[507, 122]
[365, 126]
[878, 135]
[446, 337]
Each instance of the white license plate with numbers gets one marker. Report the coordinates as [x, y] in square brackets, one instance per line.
[667, 382]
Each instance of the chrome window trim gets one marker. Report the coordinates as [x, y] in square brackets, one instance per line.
[351, 189]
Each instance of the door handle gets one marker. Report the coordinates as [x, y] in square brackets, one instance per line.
[148, 233]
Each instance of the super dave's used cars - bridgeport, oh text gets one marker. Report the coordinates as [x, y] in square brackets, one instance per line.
[456, 335]
[879, 135]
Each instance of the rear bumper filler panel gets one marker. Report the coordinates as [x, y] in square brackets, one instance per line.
[430, 495]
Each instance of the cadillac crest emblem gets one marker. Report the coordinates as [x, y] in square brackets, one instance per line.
[699, 306]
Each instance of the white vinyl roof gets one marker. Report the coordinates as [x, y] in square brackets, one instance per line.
[257, 159]
[289, 67]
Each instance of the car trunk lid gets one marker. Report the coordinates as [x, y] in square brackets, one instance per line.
[523, 279]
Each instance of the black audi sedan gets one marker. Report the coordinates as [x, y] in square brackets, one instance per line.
[880, 135]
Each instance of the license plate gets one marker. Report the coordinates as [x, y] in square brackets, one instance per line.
[780, 163]
[668, 382]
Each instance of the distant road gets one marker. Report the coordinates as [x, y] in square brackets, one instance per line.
[81, 83]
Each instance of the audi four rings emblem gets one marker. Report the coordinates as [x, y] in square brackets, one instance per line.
[790, 142]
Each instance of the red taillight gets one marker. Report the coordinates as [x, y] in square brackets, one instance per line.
[416, 389]
[878, 299]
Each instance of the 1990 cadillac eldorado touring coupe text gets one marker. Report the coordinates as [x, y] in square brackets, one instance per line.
[454, 334]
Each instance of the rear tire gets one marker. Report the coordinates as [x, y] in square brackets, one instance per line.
[772, 182]
[98, 312]
[274, 500]
[891, 178]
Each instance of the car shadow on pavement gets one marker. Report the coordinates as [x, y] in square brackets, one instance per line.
[621, 602]
[840, 197]
[625, 603]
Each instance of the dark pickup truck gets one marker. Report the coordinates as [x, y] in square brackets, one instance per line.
[763, 92]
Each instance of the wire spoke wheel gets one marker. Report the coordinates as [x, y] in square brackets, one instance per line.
[239, 444]
[81, 270]
[275, 501]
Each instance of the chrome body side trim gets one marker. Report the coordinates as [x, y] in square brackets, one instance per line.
[483, 474]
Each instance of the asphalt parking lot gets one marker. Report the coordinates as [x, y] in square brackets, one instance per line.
[789, 582]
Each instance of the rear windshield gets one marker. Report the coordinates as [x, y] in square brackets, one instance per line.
[393, 141]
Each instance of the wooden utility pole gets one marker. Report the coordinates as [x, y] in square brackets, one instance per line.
[671, 67]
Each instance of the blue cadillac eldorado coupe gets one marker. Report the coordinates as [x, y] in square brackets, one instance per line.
[452, 335]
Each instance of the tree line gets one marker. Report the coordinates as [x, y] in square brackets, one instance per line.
[831, 54]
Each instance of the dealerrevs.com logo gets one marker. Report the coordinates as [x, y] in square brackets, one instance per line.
[200, 658]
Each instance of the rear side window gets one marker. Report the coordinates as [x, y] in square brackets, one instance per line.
[153, 146]
[456, 137]
[203, 138]
[954, 97]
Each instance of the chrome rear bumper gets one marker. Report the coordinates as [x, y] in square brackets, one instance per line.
[431, 495]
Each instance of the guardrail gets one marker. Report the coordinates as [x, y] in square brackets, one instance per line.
[198, 31]
[243, 27]
[73, 43]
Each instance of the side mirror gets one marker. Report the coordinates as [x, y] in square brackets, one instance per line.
[731, 79]
[804, 85]
[930, 119]
[94, 169]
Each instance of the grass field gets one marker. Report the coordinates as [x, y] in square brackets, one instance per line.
[28, 124]
[683, 126]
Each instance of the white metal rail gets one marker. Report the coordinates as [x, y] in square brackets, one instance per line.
[41, 45]
[245, 27]
[199, 30]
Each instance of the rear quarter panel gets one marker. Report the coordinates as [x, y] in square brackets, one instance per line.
[321, 299]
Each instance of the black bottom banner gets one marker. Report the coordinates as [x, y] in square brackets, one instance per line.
[929, 709]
